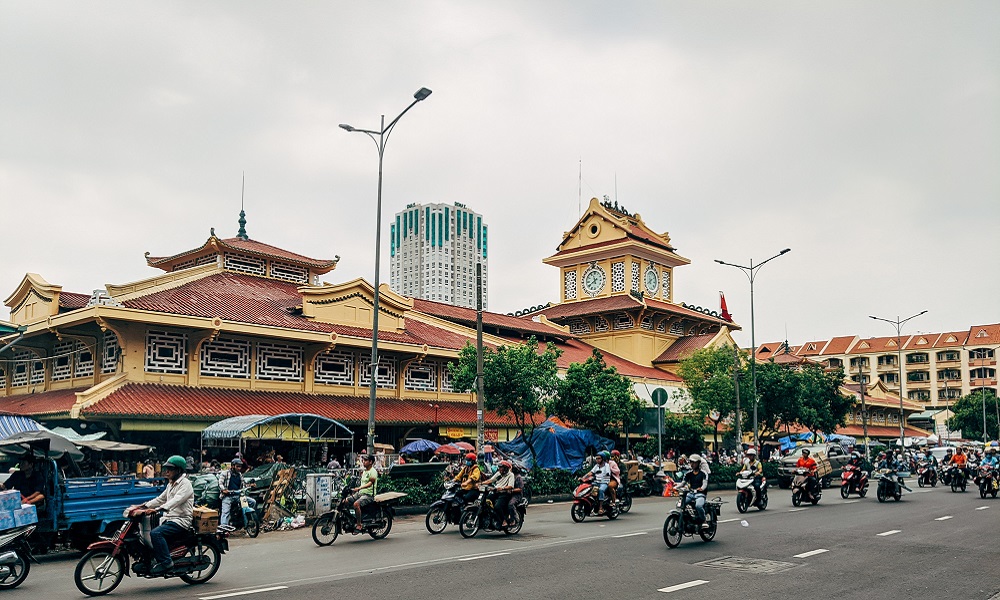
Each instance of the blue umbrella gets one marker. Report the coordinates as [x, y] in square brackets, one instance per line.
[420, 445]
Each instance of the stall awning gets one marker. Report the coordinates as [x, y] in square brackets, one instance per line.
[292, 427]
[11, 424]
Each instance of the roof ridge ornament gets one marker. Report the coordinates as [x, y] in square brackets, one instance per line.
[242, 233]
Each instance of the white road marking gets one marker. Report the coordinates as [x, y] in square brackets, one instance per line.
[729, 520]
[810, 553]
[682, 586]
[850, 501]
[943, 518]
[798, 509]
[483, 556]
[982, 508]
[244, 593]
[630, 534]
[890, 532]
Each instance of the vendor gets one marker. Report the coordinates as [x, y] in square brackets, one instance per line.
[28, 480]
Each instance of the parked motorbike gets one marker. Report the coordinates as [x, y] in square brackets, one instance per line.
[853, 481]
[683, 519]
[480, 515]
[926, 475]
[246, 518]
[986, 479]
[446, 510]
[805, 487]
[376, 518]
[890, 485]
[746, 495]
[957, 478]
[585, 503]
[15, 556]
[196, 556]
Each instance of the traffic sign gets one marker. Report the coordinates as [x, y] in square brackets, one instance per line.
[659, 396]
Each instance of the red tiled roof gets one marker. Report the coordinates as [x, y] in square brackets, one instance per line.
[589, 307]
[817, 348]
[881, 431]
[250, 247]
[639, 233]
[839, 345]
[72, 300]
[992, 335]
[261, 301]
[876, 344]
[960, 336]
[43, 403]
[683, 348]
[855, 389]
[587, 247]
[767, 349]
[576, 351]
[157, 401]
[467, 316]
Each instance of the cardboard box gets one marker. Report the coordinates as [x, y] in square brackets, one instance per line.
[7, 520]
[10, 500]
[26, 515]
[205, 520]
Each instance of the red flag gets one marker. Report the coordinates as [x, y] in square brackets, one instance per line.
[725, 309]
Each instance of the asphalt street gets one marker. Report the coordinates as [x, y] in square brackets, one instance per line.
[933, 544]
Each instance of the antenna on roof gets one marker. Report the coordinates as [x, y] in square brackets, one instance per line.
[242, 233]
[579, 189]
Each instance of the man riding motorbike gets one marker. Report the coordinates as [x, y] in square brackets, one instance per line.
[468, 478]
[756, 468]
[364, 494]
[177, 505]
[601, 475]
[230, 484]
[616, 474]
[503, 482]
[697, 480]
[809, 463]
[991, 458]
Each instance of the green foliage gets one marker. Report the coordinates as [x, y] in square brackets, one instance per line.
[708, 375]
[968, 415]
[821, 405]
[777, 394]
[517, 381]
[417, 494]
[595, 396]
[551, 482]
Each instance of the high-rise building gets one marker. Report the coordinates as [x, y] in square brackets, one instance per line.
[434, 250]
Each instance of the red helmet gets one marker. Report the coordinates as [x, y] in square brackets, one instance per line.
[470, 456]
[615, 453]
[505, 463]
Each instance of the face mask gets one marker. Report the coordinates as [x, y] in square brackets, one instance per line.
[468, 463]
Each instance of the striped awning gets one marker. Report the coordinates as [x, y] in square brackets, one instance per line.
[11, 424]
[304, 427]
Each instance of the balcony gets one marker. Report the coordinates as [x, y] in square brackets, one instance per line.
[975, 383]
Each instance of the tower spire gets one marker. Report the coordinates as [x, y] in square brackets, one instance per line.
[242, 233]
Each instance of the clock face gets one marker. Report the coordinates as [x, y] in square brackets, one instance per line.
[652, 281]
[593, 280]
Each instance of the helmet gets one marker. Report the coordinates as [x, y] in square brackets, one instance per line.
[805, 452]
[176, 462]
[694, 458]
[751, 452]
[616, 453]
[992, 450]
[504, 463]
[604, 454]
[470, 456]
[236, 462]
[368, 457]
[855, 455]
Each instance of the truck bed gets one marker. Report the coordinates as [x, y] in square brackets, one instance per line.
[104, 499]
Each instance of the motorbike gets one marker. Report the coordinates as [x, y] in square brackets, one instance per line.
[376, 517]
[853, 481]
[957, 478]
[801, 488]
[480, 515]
[926, 475]
[585, 503]
[447, 510]
[683, 519]
[15, 556]
[987, 481]
[196, 556]
[623, 499]
[245, 517]
[746, 496]
[890, 485]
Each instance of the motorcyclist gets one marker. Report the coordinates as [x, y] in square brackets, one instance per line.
[756, 468]
[929, 457]
[855, 460]
[601, 475]
[961, 461]
[364, 494]
[468, 477]
[697, 480]
[503, 482]
[991, 458]
[177, 505]
[616, 474]
[230, 484]
[808, 462]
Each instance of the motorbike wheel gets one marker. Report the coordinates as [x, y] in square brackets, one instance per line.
[578, 511]
[381, 532]
[796, 498]
[762, 503]
[708, 535]
[742, 502]
[993, 493]
[436, 520]
[672, 533]
[845, 491]
[934, 481]
[982, 492]
[516, 526]
[814, 500]
[864, 491]
[252, 527]
[611, 512]
[897, 495]
[954, 486]
[15, 573]
[920, 481]
[626, 504]
[644, 489]
[468, 524]
[202, 548]
[98, 573]
[325, 530]
[880, 494]
[962, 486]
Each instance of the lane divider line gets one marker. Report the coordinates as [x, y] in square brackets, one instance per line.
[483, 556]
[245, 592]
[630, 534]
[811, 553]
[729, 520]
[682, 586]
[890, 532]
[945, 518]
[982, 508]
[850, 501]
[798, 509]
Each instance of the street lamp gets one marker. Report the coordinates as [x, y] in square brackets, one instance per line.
[380, 138]
[751, 273]
[898, 324]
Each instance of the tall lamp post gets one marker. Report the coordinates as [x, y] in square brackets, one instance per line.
[380, 138]
[898, 324]
[751, 273]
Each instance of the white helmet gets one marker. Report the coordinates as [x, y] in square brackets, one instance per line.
[694, 458]
[751, 452]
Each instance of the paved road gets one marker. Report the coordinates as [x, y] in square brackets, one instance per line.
[932, 544]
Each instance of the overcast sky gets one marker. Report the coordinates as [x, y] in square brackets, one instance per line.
[865, 136]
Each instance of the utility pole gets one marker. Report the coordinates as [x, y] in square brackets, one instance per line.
[736, 384]
[479, 356]
[864, 411]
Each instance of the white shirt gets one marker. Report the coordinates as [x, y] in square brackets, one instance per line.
[602, 473]
[177, 501]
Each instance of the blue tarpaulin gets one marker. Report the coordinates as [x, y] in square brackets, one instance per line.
[11, 424]
[557, 447]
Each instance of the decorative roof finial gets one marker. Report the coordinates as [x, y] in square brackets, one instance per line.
[242, 233]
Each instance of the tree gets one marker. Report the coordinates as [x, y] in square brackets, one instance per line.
[967, 415]
[821, 405]
[517, 381]
[596, 397]
[708, 375]
[777, 394]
